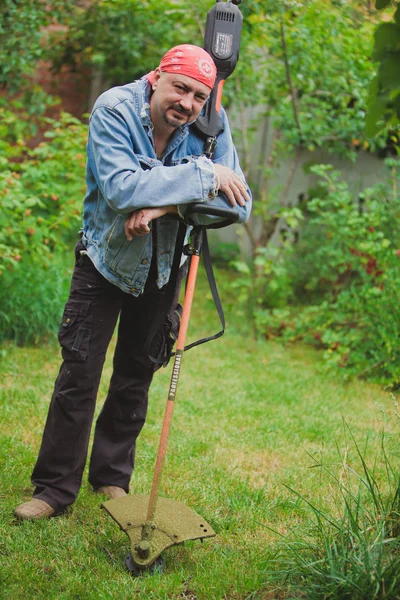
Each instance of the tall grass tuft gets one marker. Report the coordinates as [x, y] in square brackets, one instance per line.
[353, 551]
[32, 300]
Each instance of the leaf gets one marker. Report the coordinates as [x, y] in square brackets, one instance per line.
[397, 16]
[381, 4]
[242, 267]
[389, 72]
[387, 39]
[375, 113]
[373, 89]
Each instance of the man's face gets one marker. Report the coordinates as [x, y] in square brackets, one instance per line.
[177, 99]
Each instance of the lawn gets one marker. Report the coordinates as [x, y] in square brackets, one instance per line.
[260, 433]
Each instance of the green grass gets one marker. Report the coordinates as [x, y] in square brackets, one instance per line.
[261, 439]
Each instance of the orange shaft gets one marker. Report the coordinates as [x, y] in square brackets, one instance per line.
[219, 95]
[180, 345]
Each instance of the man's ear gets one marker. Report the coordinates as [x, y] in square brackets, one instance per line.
[156, 78]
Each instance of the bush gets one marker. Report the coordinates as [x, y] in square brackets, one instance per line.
[224, 253]
[41, 192]
[23, 27]
[32, 297]
[346, 268]
[41, 197]
[124, 39]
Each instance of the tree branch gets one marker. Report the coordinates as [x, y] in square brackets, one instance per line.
[243, 129]
[250, 232]
[269, 226]
[289, 79]
[289, 181]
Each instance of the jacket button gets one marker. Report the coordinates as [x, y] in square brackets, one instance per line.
[211, 195]
[144, 261]
[132, 290]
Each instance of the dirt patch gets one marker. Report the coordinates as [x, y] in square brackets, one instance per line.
[256, 467]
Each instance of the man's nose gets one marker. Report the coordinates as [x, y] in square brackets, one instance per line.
[186, 101]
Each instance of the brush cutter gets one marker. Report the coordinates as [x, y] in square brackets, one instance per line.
[154, 524]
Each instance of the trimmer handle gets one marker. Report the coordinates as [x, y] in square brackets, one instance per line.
[201, 208]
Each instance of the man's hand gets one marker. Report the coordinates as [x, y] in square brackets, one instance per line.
[137, 223]
[232, 186]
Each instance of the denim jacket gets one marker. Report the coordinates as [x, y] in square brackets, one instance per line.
[123, 174]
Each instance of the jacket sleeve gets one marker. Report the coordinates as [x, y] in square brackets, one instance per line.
[129, 181]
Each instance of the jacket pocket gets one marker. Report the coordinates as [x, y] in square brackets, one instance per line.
[117, 243]
[124, 258]
[75, 330]
[183, 160]
[146, 162]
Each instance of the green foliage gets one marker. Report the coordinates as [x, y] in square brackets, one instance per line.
[331, 93]
[41, 197]
[356, 272]
[223, 253]
[123, 39]
[346, 269]
[24, 45]
[21, 118]
[23, 37]
[265, 283]
[316, 56]
[41, 192]
[384, 93]
[32, 299]
[268, 281]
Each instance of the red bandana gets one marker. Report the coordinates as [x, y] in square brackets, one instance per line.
[188, 60]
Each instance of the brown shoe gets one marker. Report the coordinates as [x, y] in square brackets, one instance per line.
[111, 491]
[33, 510]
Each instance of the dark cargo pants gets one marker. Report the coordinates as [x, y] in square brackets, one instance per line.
[88, 322]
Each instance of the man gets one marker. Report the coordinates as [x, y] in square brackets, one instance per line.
[144, 163]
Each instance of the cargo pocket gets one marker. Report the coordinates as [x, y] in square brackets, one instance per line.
[75, 331]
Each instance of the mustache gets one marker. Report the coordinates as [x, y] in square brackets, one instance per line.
[183, 111]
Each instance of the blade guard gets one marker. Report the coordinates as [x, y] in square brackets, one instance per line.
[174, 523]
